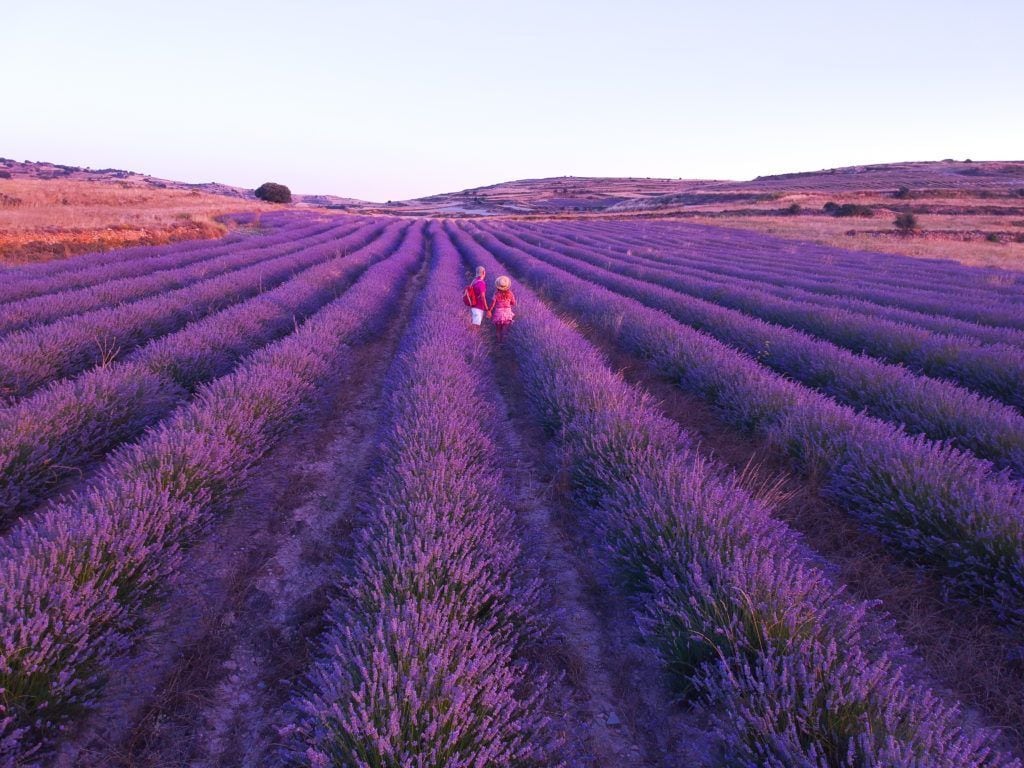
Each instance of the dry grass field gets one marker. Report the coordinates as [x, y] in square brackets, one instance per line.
[42, 219]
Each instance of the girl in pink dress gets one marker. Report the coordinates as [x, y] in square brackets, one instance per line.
[500, 310]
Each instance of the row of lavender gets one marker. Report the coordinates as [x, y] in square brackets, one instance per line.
[827, 264]
[74, 580]
[34, 357]
[53, 434]
[55, 304]
[895, 276]
[89, 269]
[938, 409]
[726, 268]
[418, 665]
[996, 370]
[793, 674]
[935, 504]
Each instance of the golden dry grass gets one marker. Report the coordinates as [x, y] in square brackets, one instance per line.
[46, 219]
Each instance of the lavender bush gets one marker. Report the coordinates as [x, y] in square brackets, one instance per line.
[934, 504]
[48, 437]
[910, 282]
[823, 267]
[89, 269]
[726, 591]
[995, 370]
[73, 579]
[935, 408]
[418, 665]
[696, 263]
[798, 675]
[33, 357]
[53, 305]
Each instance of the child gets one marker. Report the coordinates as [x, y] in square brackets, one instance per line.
[500, 310]
[475, 297]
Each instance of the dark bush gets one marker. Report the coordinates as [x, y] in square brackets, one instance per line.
[830, 207]
[992, 237]
[906, 222]
[1020, 192]
[794, 209]
[850, 209]
[274, 193]
[903, 193]
[7, 175]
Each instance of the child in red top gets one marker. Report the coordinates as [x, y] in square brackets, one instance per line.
[476, 297]
[500, 309]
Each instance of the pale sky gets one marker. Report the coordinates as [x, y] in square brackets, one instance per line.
[392, 100]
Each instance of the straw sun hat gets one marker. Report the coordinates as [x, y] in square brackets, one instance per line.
[503, 283]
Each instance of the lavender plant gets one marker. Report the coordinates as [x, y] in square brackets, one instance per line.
[90, 269]
[34, 357]
[727, 593]
[418, 665]
[48, 437]
[934, 504]
[994, 370]
[53, 305]
[910, 282]
[935, 408]
[73, 579]
[719, 269]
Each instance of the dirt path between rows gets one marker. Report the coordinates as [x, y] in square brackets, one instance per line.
[614, 703]
[226, 649]
[962, 647]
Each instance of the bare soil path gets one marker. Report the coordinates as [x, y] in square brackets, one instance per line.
[615, 705]
[226, 649]
[962, 647]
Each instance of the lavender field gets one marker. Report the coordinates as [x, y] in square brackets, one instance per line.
[720, 499]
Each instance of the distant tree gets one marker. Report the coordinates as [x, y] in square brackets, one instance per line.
[903, 193]
[906, 222]
[1020, 192]
[274, 193]
[7, 175]
[992, 237]
[830, 207]
[794, 209]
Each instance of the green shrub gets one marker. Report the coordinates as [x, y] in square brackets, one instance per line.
[274, 193]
